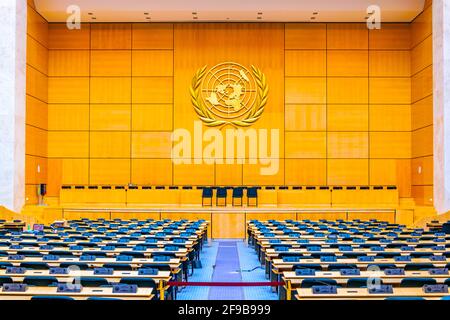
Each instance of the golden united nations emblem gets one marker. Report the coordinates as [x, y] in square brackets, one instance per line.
[229, 93]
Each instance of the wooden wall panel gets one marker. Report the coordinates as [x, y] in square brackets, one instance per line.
[422, 107]
[68, 90]
[110, 90]
[389, 145]
[305, 117]
[390, 117]
[153, 90]
[35, 141]
[305, 63]
[422, 27]
[37, 55]
[68, 117]
[109, 145]
[422, 171]
[37, 27]
[37, 112]
[390, 90]
[151, 171]
[148, 63]
[109, 171]
[59, 37]
[305, 36]
[422, 84]
[348, 144]
[247, 44]
[305, 90]
[252, 175]
[106, 63]
[151, 145]
[152, 36]
[422, 142]
[228, 225]
[192, 174]
[348, 172]
[305, 145]
[347, 118]
[228, 174]
[36, 98]
[36, 84]
[68, 63]
[337, 93]
[306, 172]
[347, 90]
[392, 172]
[390, 63]
[395, 36]
[422, 113]
[422, 55]
[347, 36]
[111, 36]
[152, 117]
[110, 117]
[347, 63]
[68, 144]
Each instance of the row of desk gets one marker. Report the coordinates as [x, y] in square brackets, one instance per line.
[286, 248]
[71, 244]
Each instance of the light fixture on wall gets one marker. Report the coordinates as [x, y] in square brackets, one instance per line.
[194, 15]
[259, 15]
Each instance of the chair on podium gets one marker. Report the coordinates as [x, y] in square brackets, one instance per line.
[252, 193]
[238, 193]
[221, 193]
[207, 193]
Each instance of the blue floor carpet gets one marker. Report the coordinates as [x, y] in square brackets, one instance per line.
[227, 269]
[208, 259]
[228, 261]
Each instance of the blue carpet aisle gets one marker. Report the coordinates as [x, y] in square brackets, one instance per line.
[234, 261]
[227, 269]
[252, 271]
[208, 258]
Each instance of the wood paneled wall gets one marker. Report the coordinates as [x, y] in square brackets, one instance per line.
[339, 93]
[348, 95]
[422, 107]
[110, 104]
[36, 104]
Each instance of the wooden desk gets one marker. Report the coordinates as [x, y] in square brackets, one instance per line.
[182, 252]
[115, 277]
[137, 262]
[293, 280]
[362, 294]
[86, 292]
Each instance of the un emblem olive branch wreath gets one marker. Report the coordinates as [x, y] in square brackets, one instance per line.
[210, 120]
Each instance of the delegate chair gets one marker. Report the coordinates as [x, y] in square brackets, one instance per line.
[40, 281]
[238, 193]
[221, 193]
[118, 266]
[4, 280]
[35, 265]
[309, 283]
[4, 265]
[75, 265]
[252, 193]
[94, 282]
[207, 193]
[418, 266]
[416, 282]
[359, 282]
